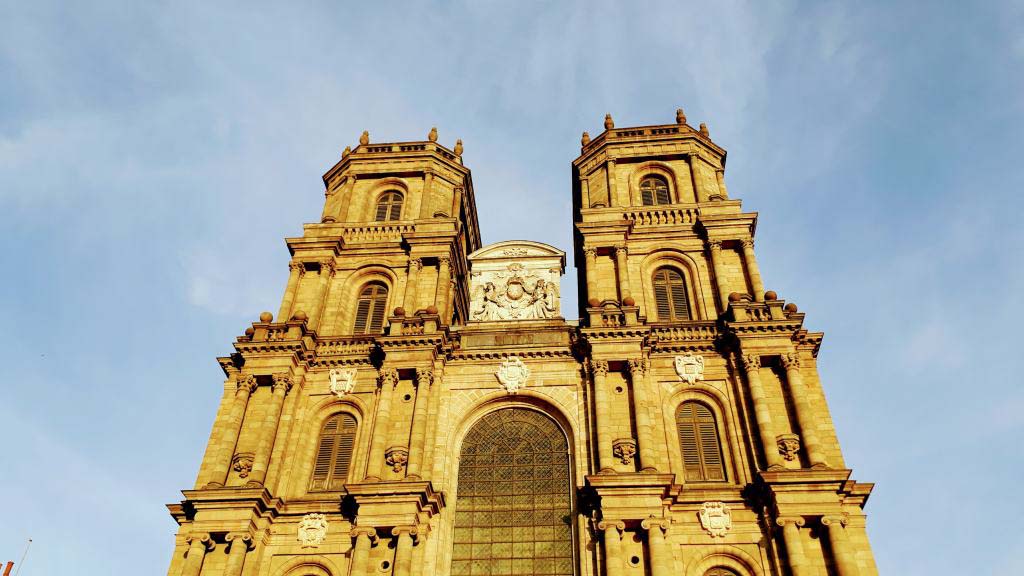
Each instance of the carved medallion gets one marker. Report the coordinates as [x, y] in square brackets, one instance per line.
[789, 445]
[312, 530]
[624, 449]
[242, 463]
[715, 518]
[690, 368]
[512, 374]
[343, 381]
[397, 457]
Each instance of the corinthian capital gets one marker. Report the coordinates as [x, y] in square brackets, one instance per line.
[444, 261]
[751, 362]
[327, 265]
[424, 377]
[245, 383]
[388, 377]
[590, 251]
[282, 382]
[296, 266]
[748, 244]
[715, 245]
[599, 367]
[638, 367]
[790, 360]
[416, 264]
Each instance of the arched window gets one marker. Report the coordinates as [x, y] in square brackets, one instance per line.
[698, 440]
[334, 453]
[513, 513]
[389, 206]
[654, 190]
[370, 309]
[670, 295]
[720, 572]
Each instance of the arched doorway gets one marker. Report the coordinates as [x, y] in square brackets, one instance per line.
[513, 509]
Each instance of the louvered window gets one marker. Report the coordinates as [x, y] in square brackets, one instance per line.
[670, 295]
[654, 190]
[513, 515]
[334, 453]
[389, 207]
[698, 440]
[373, 299]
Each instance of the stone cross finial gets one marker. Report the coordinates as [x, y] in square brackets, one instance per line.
[608, 122]
[364, 138]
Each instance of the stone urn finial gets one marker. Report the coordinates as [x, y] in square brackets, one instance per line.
[346, 151]
[433, 134]
[458, 147]
[608, 122]
[364, 138]
[680, 116]
[704, 130]
[585, 139]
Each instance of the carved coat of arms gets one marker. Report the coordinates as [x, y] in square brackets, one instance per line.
[715, 518]
[514, 294]
[512, 374]
[343, 381]
[312, 530]
[690, 368]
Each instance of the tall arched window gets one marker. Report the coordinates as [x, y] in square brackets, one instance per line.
[334, 453]
[389, 206]
[654, 190]
[373, 299]
[698, 440]
[670, 295]
[513, 509]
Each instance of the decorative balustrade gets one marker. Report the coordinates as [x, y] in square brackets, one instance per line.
[661, 216]
[351, 346]
[377, 232]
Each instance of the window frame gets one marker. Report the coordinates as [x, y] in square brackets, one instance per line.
[347, 428]
[376, 306]
[717, 426]
[686, 302]
[393, 209]
[655, 200]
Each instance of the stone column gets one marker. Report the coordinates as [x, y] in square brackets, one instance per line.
[612, 200]
[199, 543]
[804, 415]
[444, 274]
[238, 544]
[375, 469]
[411, 286]
[261, 459]
[585, 192]
[417, 439]
[365, 536]
[638, 373]
[720, 178]
[602, 415]
[751, 364]
[323, 287]
[662, 563]
[846, 563]
[295, 272]
[425, 196]
[590, 253]
[403, 549]
[753, 271]
[613, 561]
[622, 271]
[245, 385]
[716, 264]
[794, 548]
[697, 172]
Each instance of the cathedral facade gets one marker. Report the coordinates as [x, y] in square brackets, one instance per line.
[420, 405]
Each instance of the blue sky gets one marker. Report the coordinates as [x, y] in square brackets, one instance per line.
[154, 155]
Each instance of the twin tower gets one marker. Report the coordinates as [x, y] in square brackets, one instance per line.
[420, 406]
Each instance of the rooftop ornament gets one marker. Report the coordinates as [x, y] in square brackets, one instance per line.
[586, 139]
[433, 134]
[704, 130]
[680, 116]
[364, 138]
[608, 122]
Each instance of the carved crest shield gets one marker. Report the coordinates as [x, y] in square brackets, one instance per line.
[715, 518]
[343, 381]
[512, 374]
[689, 367]
[312, 530]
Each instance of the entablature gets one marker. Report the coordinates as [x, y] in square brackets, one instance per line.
[645, 142]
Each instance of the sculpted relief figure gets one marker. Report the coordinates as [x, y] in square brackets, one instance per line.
[515, 294]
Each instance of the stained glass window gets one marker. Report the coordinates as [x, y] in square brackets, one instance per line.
[513, 513]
